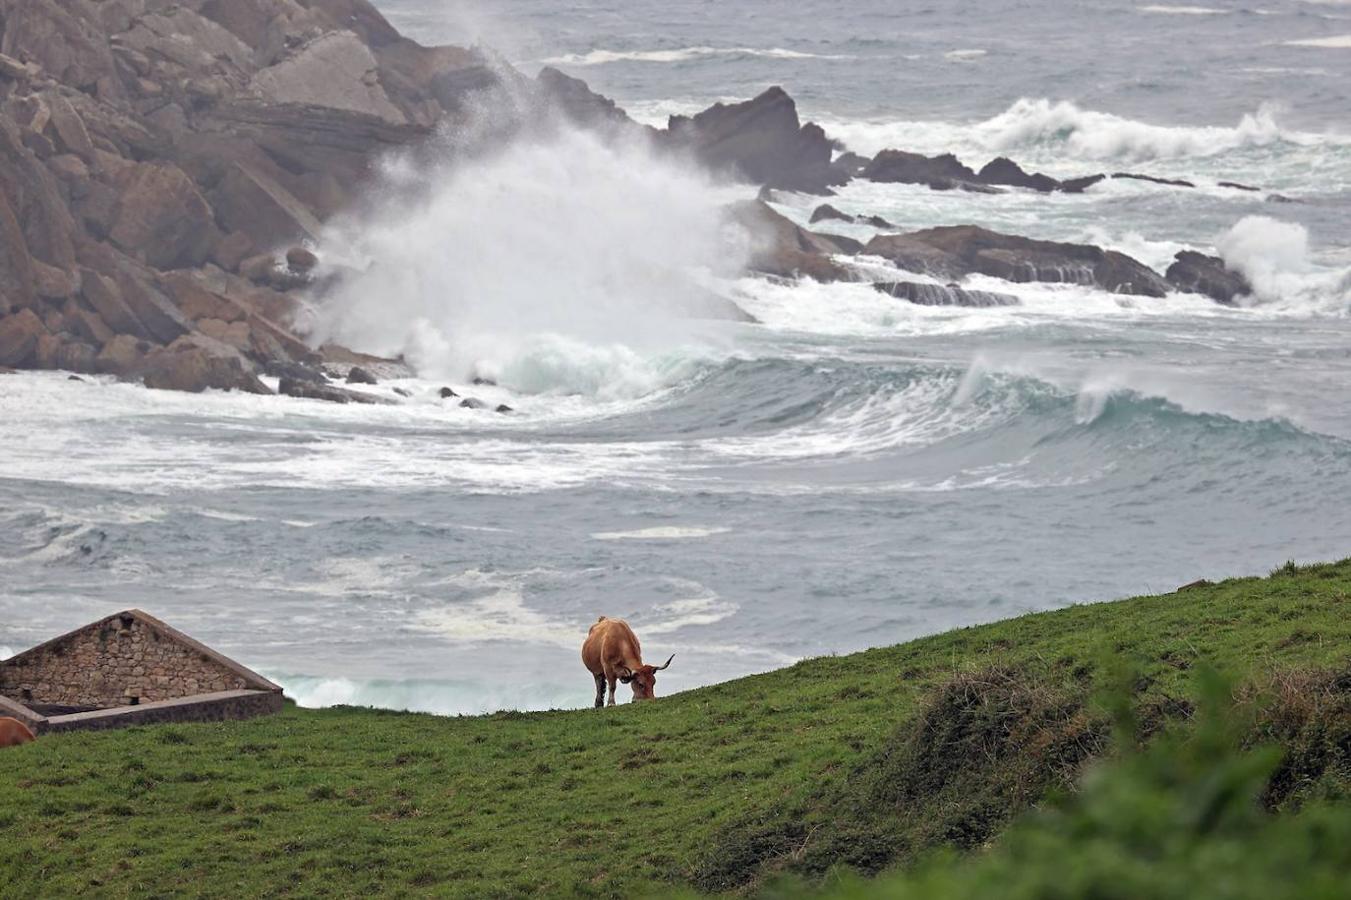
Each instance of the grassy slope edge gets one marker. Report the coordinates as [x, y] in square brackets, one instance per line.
[584, 802]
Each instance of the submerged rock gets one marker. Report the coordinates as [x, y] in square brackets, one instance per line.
[310, 390]
[826, 212]
[1168, 182]
[446, 393]
[472, 403]
[1197, 273]
[923, 294]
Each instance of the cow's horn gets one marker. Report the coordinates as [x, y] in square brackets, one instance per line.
[668, 663]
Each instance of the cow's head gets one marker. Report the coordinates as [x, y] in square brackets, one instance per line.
[643, 680]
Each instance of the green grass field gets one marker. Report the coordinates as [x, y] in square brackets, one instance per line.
[718, 788]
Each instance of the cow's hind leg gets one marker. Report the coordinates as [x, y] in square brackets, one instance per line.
[600, 691]
[612, 680]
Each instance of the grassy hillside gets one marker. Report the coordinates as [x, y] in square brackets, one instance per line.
[702, 788]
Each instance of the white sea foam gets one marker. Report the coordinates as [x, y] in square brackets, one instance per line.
[682, 54]
[660, 533]
[562, 264]
[1274, 257]
[1159, 9]
[5, 652]
[968, 55]
[1067, 132]
[1336, 42]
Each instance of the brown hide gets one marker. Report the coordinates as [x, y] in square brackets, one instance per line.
[13, 733]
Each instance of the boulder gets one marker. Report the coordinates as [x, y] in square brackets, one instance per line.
[334, 70]
[1005, 171]
[783, 249]
[358, 375]
[761, 140]
[472, 403]
[16, 265]
[953, 252]
[65, 40]
[52, 283]
[943, 172]
[310, 390]
[923, 294]
[71, 135]
[826, 212]
[446, 393]
[36, 201]
[196, 363]
[162, 218]
[122, 356]
[105, 297]
[232, 250]
[19, 334]
[300, 260]
[249, 201]
[1197, 273]
[503, 408]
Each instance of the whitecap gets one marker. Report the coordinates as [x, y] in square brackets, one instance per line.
[1159, 9]
[1336, 42]
[965, 55]
[660, 533]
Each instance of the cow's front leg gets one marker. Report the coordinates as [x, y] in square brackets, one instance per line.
[600, 691]
[612, 680]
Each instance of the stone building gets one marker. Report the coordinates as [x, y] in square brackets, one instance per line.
[129, 669]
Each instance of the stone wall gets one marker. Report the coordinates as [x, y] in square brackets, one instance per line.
[224, 707]
[122, 660]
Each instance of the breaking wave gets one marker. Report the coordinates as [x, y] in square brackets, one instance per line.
[1067, 131]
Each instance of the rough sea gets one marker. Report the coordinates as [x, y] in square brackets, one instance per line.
[854, 471]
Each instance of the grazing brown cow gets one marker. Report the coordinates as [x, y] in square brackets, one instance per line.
[13, 733]
[611, 652]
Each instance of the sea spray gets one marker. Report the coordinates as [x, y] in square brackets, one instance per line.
[564, 253]
[1274, 257]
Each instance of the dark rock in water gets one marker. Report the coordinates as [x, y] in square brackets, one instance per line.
[762, 140]
[850, 165]
[358, 375]
[781, 248]
[472, 403]
[943, 295]
[75, 378]
[503, 408]
[766, 194]
[875, 221]
[1281, 198]
[1169, 182]
[956, 251]
[826, 212]
[1005, 171]
[446, 393]
[1239, 187]
[942, 173]
[298, 371]
[403, 393]
[480, 380]
[1081, 184]
[1197, 273]
[309, 390]
[300, 260]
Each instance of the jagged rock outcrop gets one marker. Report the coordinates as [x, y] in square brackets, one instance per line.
[761, 140]
[1198, 273]
[149, 150]
[1005, 171]
[954, 252]
[827, 213]
[943, 172]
